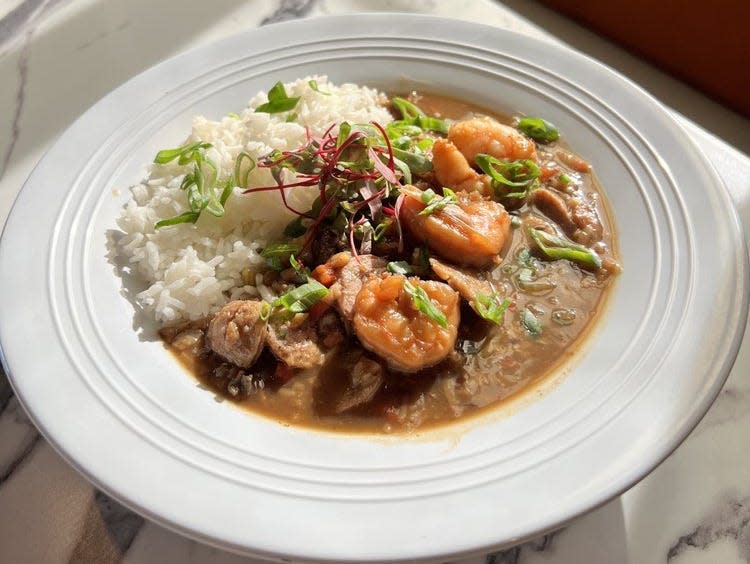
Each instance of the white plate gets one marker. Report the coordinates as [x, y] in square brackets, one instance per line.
[121, 410]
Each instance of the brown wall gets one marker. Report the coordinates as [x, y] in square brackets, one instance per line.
[706, 43]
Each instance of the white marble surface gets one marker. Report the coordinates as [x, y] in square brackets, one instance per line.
[57, 57]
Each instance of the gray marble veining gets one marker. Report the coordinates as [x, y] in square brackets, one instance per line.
[730, 519]
[289, 10]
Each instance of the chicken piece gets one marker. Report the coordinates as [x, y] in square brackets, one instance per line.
[472, 232]
[348, 380]
[388, 323]
[554, 207]
[237, 332]
[467, 283]
[297, 346]
[349, 273]
[453, 170]
[486, 135]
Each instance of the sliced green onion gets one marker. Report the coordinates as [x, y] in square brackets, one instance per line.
[301, 271]
[530, 322]
[435, 202]
[404, 168]
[491, 308]
[243, 165]
[302, 298]
[424, 304]
[187, 217]
[400, 267]
[233, 115]
[184, 153]
[417, 162]
[277, 254]
[382, 228]
[564, 179]
[518, 174]
[314, 86]
[291, 117]
[407, 110]
[538, 129]
[278, 101]
[265, 310]
[433, 124]
[555, 248]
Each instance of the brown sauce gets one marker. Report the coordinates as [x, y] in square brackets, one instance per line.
[490, 363]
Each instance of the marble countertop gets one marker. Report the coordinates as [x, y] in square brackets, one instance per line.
[58, 57]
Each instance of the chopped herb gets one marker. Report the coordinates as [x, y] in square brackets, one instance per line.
[277, 254]
[564, 179]
[302, 298]
[186, 153]
[423, 303]
[243, 165]
[412, 115]
[491, 308]
[436, 203]
[291, 117]
[555, 247]
[530, 322]
[265, 310]
[314, 86]
[400, 267]
[539, 129]
[518, 174]
[278, 101]
[187, 217]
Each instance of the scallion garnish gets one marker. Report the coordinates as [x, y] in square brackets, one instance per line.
[265, 310]
[412, 115]
[530, 322]
[436, 203]
[277, 254]
[424, 304]
[187, 217]
[185, 154]
[538, 129]
[278, 101]
[400, 267]
[518, 174]
[243, 165]
[556, 247]
[564, 179]
[302, 298]
[491, 307]
[314, 86]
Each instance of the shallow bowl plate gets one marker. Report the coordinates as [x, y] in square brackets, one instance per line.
[121, 411]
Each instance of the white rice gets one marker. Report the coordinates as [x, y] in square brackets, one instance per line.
[193, 269]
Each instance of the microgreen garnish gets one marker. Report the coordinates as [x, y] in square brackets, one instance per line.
[530, 322]
[356, 175]
[313, 84]
[424, 304]
[555, 247]
[278, 101]
[436, 203]
[538, 129]
[302, 298]
[400, 267]
[491, 307]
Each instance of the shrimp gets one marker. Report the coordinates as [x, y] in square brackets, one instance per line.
[452, 169]
[472, 231]
[387, 322]
[486, 135]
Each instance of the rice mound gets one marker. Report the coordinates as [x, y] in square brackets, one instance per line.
[193, 269]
